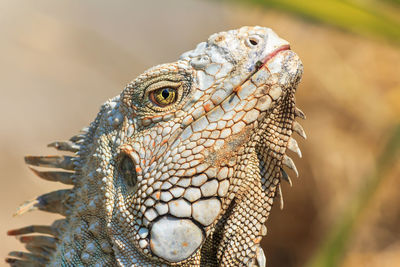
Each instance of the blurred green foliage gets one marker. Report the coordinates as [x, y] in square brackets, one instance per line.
[373, 18]
[394, 1]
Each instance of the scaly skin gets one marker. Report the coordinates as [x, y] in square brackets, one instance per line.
[181, 169]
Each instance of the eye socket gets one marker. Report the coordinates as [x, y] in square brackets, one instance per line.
[163, 96]
[128, 170]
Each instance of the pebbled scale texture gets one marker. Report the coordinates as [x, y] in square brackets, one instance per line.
[180, 169]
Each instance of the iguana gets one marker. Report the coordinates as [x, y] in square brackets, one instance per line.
[180, 169]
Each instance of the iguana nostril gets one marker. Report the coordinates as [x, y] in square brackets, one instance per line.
[128, 170]
[253, 41]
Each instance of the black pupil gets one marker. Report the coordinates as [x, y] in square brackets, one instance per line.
[128, 170]
[165, 93]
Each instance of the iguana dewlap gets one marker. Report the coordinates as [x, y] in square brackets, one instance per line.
[181, 168]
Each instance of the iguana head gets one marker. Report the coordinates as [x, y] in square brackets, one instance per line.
[182, 167]
[184, 128]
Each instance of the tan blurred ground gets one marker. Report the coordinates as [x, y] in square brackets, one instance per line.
[59, 60]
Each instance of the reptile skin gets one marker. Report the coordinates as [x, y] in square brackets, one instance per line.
[180, 169]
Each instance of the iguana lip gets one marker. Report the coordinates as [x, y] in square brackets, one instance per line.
[275, 52]
[271, 55]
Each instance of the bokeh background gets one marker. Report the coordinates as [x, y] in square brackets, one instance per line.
[60, 60]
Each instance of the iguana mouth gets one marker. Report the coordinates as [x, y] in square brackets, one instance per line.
[274, 53]
[260, 64]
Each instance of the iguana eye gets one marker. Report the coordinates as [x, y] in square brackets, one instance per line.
[128, 170]
[164, 96]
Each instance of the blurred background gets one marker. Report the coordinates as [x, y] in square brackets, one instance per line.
[60, 60]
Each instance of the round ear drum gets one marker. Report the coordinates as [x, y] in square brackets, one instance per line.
[127, 169]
